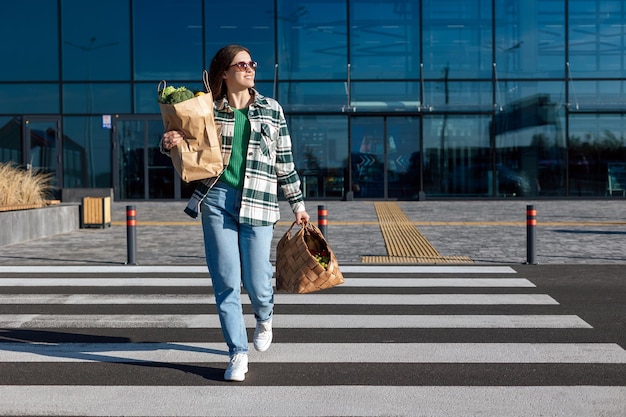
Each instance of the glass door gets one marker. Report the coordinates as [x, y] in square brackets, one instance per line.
[385, 157]
[141, 171]
[42, 148]
[368, 157]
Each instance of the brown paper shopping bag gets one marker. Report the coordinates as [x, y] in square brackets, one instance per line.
[199, 156]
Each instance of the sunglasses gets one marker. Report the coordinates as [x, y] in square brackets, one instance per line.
[243, 66]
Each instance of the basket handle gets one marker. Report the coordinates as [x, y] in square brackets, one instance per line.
[312, 226]
[305, 225]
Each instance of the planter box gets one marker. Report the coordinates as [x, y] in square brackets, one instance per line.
[22, 225]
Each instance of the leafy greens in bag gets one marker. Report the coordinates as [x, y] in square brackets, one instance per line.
[173, 95]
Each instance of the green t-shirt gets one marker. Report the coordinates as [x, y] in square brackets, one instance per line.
[236, 169]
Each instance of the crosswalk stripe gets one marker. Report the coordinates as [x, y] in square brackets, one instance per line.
[183, 352]
[280, 299]
[312, 400]
[36, 321]
[152, 344]
[195, 269]
[203, 282]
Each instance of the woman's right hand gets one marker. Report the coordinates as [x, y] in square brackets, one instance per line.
[171, 138]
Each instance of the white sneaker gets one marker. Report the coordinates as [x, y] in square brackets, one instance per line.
[263, 335]
[237, 368]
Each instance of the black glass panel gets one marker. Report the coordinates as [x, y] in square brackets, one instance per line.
[43, 147]
[18, 98]
[91, 139]
[96, 40]
[320, 149]
[597, 155]
[161, 174]
[384, 39]
[457, 36]
[313, 96]
[10, 140]
[530, 38]
[446, 95]
[312, 39]
[530, 141]
[167, 39]
[385, 96]
[29, 41]
[596, 38]
[597, 95]
[146, 96]
[96, 98]
[457, 157]
[131, 158]
[254, 30]
[403, 142]
[368, 157]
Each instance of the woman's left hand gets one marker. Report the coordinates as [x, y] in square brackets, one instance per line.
[302, 216]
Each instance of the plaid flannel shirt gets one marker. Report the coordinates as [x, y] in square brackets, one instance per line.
[269, 163]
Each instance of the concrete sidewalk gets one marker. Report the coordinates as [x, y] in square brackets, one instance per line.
[487, 231]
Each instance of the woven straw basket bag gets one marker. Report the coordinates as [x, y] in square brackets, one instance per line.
[298, 270]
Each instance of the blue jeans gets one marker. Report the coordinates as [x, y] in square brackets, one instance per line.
[236, 254]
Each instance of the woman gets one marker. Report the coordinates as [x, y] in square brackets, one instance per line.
[240, 207]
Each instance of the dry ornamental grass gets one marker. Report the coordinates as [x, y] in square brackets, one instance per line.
[20, 187]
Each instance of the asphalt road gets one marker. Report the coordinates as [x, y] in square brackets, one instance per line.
[489, 340]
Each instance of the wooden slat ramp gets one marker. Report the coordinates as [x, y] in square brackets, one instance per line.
[404, 243]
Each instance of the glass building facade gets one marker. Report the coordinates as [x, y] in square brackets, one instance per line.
[396, 99]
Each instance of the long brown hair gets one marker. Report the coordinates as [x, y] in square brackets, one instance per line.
[220, 63]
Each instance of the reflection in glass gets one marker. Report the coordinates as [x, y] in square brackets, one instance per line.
[597, 155]
[313, 96]
[75, 165]
[457, 155]
[320, 150]
[597, 95]
[498, 83]
[10, 140]
[530, 38]
[511, 93]
[88, 133]
[368, 157]
[384, 39]
[596, 38]
[312, 41]
[530, 141]
[43, 148]
[457, 95]
[457, 36]
[143, 171]
[167, 44]
[403, 157]
[95, 35]
[384, 96]
[385, 157]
